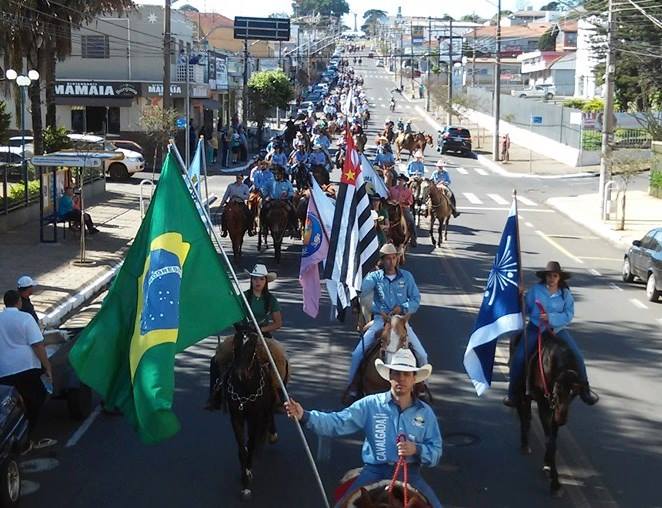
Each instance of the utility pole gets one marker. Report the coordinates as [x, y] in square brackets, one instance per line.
[497, 86]
[244, 92]
[187, 106]
[473, 61]
[450, 72]
[427, 88]
[402, 50]
[166, 56]
[608, 112]
[411, 31]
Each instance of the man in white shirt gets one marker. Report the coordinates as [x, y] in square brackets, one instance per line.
[236, 192]
[23, 356]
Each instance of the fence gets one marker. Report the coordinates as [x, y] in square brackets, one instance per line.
[14, 187]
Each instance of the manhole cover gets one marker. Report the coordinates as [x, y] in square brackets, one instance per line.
[460, 439]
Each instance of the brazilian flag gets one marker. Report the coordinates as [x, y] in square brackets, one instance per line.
[172, 291]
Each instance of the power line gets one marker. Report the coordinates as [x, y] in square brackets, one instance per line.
[652, 19]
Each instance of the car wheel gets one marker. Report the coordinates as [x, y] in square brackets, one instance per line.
[627, 271]
[79, 402]
[522, 96]
[443, 150]
[652, 293]
[11, 483]
[118, 171]
[549, 96]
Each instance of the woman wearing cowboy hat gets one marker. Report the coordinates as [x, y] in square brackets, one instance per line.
[384, 155]
[266, 309]
[384, 418]
[416, 167]
[442, 179]
[553, 293]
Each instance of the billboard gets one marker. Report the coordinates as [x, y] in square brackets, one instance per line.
[417, 35]
[221, 72]
[262, 29]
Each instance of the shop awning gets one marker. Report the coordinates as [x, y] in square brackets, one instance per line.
[94, 101]
[210, 104]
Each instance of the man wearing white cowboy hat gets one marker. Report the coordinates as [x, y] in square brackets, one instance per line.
[395, 423]
[416, 167]
[395, 292]
[442, 179]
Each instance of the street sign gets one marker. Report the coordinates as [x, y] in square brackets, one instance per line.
[181, 122]
[66, 160]
[262, 29]
[536, 120]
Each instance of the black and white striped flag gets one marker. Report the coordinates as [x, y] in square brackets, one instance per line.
[353, 246]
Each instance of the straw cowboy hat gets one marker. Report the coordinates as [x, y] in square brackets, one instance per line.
[403, 361]
[419, 155]
[553, 267]
[261, 271]
[440, 164]
[388, 248]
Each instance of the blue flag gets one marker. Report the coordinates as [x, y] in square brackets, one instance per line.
[195, 168]
[501, 310]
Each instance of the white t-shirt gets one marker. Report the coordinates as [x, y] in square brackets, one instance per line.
[18, 332]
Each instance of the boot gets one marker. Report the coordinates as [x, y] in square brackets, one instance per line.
[588, 396]
[412, 242]
[224, 233]
[510, 402]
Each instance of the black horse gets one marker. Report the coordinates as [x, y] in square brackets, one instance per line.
[301, 176]
[553, 382]
[251, 401]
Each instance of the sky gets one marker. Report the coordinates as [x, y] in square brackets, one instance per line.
[262, 8]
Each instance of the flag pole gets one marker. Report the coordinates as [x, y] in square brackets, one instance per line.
[204, 170]
[255, 323]
[521, 297]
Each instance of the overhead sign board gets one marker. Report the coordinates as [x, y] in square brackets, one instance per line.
[262, 29]
[66, 160]
[116, 89]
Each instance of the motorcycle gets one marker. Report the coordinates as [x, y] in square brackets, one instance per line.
[392, 106]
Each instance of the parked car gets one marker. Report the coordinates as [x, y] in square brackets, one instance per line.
[12, 155]
[13, 439]
[380, 63]
[454, 139]
[18, 141]
[133, 162]
[643, 260]
[541, 91]
[126, 144]
[371, 54]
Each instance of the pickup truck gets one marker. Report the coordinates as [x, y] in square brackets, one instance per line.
[542, 91]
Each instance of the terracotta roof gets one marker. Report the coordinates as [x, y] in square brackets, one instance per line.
[209, 20]
[569, 25]
[520, 31]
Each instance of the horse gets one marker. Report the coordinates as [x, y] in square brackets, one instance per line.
[416, 187]
[553, 382]
[439, 208]
[389, 134]
[412, 142]
[251, 402]
[365, 118]
[300, 176]
[235, 219]
[320, 174]
[398, 230]
[360, 141]
[377, 495]
[254, 207]
[301, 209]
[274, 220]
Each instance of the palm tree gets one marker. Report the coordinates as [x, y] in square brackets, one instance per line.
[40, 32]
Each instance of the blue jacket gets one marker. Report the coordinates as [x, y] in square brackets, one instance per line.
[384, 158]
[263, 181]
[382, 422]
[439, 176]
[560, 306]
[281, 190]
[317, 158]
[416, 168]
[279, 159]
[65, 206]
[401, 291]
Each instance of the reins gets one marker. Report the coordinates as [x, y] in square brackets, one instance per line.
[402, 463]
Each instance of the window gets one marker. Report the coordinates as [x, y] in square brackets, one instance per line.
[95, 46]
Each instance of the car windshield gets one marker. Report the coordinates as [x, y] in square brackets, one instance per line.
[464, 133]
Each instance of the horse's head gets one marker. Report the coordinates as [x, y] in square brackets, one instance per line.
[428, 139]
[394, 334]
[245, 343]
[566, 386]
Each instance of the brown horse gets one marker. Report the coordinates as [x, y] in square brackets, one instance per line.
[411, 142]
[254, 206]
[274, 220]
[376, 495]
[439, 208]
[420, 197]
[398, 230]
[235, 218]
[360, 141]
[321, 175]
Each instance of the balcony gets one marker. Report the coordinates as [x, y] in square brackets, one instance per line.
[196, 73]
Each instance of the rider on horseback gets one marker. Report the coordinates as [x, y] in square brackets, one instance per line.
[384, 155]
[416, 168]
[401, 194]
[553, 293]
[283, 192]
[318, 157]
[396, 424]
[277, 157]
[236, 192]
[298, 156]
[395, 292]
[442, 179]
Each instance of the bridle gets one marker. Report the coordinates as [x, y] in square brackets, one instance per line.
[552, 398]
[242, 400]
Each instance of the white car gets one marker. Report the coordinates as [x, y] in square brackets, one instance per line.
[133, 162]
[541, 91]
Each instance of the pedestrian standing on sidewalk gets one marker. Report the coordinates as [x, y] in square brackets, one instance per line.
[224, 146]
[23, 357]
[213, 143]
[505, 147]
[25, 285]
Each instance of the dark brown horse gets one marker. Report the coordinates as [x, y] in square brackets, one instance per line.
[398, 230]
[439, 209]
[321, 175]
[553, 382]
[274, 220]
[251, 403]
[301, 209]
[411, 142]
[236, 219]
[376, 495]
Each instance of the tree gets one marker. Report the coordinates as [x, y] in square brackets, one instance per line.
[547, 41]
[55, 139]
[188, 8]
[323, 7]
[159, 123]
[472, 18]
[374, 14]
[552, 6]
[373, 19]
[268, 90]
[40, 31]
[4, 122]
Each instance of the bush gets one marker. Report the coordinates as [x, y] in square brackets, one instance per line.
[574, 103]
[656, 179]
[594, 105]
[17, 191]
[55, 139]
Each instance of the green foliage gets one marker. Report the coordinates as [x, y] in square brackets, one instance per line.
[547, 41]
[594, 105]
[552, 6]
[656, 179]
[472, 18]
[16, 192]
[268, 90]
[623, 138]
[55, 138]
[374, 13]
[575, 103]
[323, 7]
[4, 122]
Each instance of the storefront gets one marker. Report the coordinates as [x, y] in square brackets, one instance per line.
[102, 107]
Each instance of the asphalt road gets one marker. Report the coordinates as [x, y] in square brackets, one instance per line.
[609, 454]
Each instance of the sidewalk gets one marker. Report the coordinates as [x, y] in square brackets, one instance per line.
[118, 219]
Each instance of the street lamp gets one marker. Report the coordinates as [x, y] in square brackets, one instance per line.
[23, 82]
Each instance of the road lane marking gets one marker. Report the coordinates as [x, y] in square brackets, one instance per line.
[614, 286]
[637, 303]
[462, 171]
[559, 247]
[596, 258]
[593, 271]
[480, 171]
[505, 209]
[526, 201]
[498, 199]
[528, 225]
[472, 198]
[659, 320]
[75, 437]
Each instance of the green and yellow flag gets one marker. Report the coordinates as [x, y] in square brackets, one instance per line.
[172, 291]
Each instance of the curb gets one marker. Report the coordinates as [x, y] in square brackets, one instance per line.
[617, 239]
[497, 168]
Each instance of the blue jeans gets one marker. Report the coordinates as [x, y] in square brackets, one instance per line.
[518, 360]
[372, 473]
[369, 338]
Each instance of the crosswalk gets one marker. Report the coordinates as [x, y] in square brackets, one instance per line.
[491, 198]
